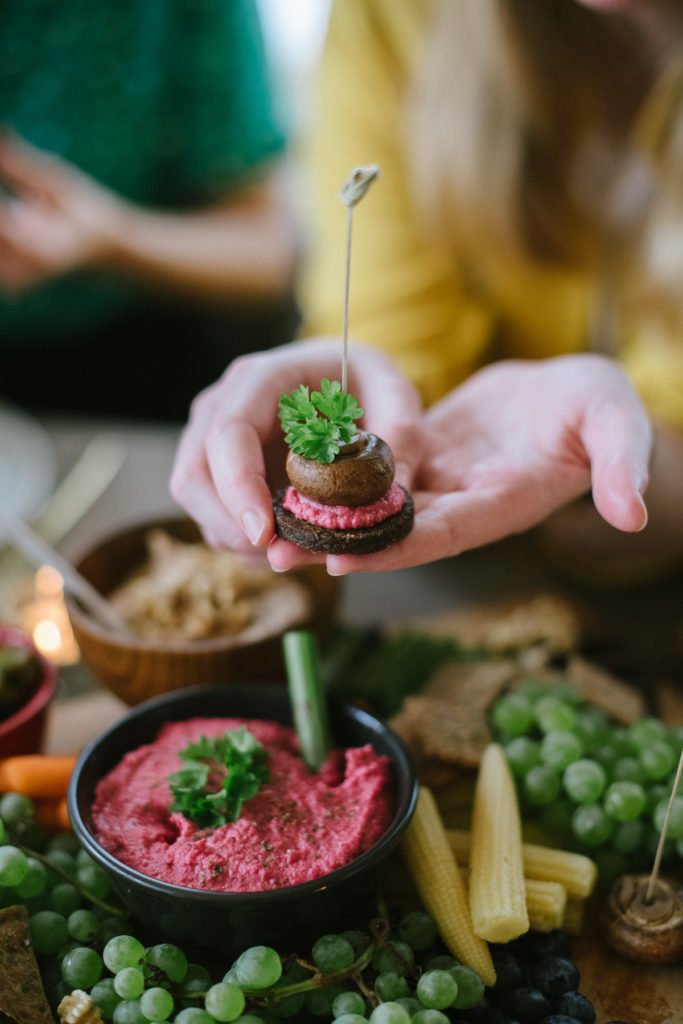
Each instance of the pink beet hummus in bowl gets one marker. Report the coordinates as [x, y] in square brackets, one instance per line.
[305, 852]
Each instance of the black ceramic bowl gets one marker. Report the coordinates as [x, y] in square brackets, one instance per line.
[230, 922]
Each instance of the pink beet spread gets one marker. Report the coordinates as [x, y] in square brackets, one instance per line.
[344, 517]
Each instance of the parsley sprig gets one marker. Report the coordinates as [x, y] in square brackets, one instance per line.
[218, 776]
[317, 425]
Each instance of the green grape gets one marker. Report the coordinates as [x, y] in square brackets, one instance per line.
[224, 1001]
[470, 987]
[168, 958]
[129, 983]
[63, 863]
[351, 1018]
[358, 939]
[559, 749]
[157, 1004]
[349, 1002]
[556, 820]
[260, 967]
[3, 832]
[15, 808]
[443, 962]
[646, 731]
[48, 931]
[675, 830]
[246, 1018]
[628, 769]
[393, 956]
[111, 927]
[513, 715]
[93, 880]
[13, 866]
[129, 1011]
[657, 760]
[104, 996]
[332, 953]
[319, 1001]
[84, 926]
[584, 781]
[553, 715]
[390, 986]
[541, 785]
[410, 1005]
[122, 951]
[34, 882]
[522, 754]
[192, 1015]
[197, 979]
[607, 756]
[679, 847]
[83, 858]
[629, 836]
[624, 801]
[418, 930]
[389, 1013]
[82, 967]
[654, 794]
[429, 1017]
[593, 727]
[436, 989]
[591, 825]
[65, 898]
[64, 841]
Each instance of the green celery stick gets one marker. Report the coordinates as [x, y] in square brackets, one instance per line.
[307, 697]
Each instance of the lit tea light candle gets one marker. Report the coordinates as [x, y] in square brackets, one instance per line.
[44, 615]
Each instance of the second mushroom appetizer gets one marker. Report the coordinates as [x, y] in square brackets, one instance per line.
[342, 497]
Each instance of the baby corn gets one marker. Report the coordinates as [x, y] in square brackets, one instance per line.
[441, 886]
[497, 891]
[578, 874]
[546, 904]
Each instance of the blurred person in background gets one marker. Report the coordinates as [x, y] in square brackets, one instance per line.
[145, 233]
[520, 265]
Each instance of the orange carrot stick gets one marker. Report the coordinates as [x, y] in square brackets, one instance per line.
[37, 775]
[52, 814]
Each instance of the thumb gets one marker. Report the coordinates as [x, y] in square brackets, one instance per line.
[618, 440]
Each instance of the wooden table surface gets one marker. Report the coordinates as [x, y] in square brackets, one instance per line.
[639, 633]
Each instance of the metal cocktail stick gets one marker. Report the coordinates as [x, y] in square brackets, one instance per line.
[665, 828]
[351, 193]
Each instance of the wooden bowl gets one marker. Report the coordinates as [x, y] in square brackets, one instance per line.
[139, 668]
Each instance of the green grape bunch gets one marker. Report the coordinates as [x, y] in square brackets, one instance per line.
[590, 783]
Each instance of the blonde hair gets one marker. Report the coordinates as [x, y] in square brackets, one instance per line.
[510, 116]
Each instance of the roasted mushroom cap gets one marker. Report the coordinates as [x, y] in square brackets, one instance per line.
[362, 472]
[651, 933]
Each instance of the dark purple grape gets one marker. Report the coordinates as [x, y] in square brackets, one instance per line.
[527, 1004]
[559, 1018]
[509, 971]
[556, 943]
[576, 1005]
[555, 975]
[479, 1014]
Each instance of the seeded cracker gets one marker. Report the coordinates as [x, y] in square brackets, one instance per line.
[22, 998]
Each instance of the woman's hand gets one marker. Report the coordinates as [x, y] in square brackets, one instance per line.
[231, 456]
[59, 219]
[515, 442]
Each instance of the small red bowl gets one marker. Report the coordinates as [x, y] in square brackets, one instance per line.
[22, 732]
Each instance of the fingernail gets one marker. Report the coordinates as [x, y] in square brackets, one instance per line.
[645, 516]
[336, 572]
[254, 525]
[278, 568]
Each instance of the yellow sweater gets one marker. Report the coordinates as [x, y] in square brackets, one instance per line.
[406, 296]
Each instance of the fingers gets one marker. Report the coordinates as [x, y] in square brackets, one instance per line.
[27, 169]
[235, 459]
[618, 439]
[283, 555]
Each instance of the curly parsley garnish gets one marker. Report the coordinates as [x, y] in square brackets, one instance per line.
[218, 777]
[317, 425]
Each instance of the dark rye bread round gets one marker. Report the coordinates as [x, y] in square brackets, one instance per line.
[364, 540]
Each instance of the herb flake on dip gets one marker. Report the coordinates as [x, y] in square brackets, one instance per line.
[296, 828]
